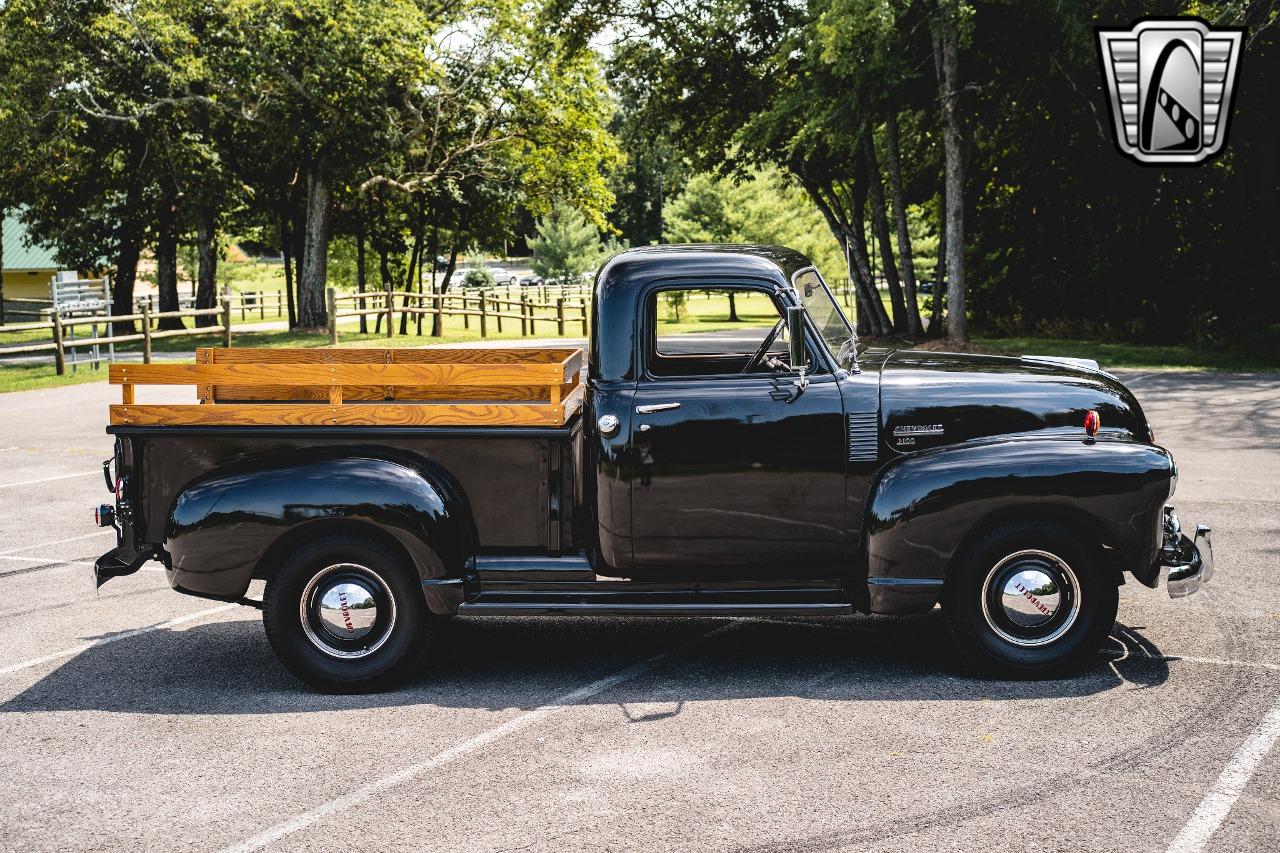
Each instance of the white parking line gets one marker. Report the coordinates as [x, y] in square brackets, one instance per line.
[26, 559]
[22, 559]
[1253, 664]
[48, 479]
[66, 653]
[1217, 803]
[60, 541]
[515, 724]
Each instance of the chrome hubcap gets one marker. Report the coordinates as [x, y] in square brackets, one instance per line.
[347, 611]
[1031, 598]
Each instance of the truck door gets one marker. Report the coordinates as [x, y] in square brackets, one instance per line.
[731, 478]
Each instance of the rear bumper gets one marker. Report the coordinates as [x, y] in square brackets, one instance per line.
[1186, 562]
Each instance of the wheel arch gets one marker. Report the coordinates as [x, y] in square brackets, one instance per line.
[1072, 518]
[237, 522]
[925, 509]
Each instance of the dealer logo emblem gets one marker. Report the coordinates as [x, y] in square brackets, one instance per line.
[1169, 84]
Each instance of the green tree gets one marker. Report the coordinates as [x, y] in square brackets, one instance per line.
[567, 244]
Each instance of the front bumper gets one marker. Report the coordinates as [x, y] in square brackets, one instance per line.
[1188, 562]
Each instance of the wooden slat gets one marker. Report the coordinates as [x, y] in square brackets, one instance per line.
[424, 393]
[350, 414]
[337, 374]
[375, 355]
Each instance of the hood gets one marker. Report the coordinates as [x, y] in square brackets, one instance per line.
[929, 399]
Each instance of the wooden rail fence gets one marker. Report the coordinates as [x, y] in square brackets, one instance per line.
[553, 310]
[564, 314]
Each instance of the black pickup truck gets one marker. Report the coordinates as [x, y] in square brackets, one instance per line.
[782, 469]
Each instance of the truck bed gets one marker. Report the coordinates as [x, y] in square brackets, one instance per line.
[501, 423]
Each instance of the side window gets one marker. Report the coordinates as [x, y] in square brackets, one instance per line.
[700, 331]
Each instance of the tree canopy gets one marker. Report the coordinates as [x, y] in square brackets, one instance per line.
[963, 143]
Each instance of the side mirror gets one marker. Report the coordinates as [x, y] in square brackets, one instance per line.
[795, 336]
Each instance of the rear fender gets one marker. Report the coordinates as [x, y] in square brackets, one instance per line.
[238, 522]
[924, 508]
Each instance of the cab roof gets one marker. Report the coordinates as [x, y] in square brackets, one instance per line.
[627, 276]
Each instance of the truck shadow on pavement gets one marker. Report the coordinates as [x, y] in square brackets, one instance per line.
[499, 663]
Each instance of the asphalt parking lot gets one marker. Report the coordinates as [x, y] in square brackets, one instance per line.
[139, 718]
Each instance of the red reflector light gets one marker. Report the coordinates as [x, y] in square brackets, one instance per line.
[97, 517]
[120, 488]
[1091, 423]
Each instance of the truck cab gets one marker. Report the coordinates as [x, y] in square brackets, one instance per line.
[766, 464]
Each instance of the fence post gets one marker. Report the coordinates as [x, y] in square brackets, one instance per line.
[484, 316]
[466, 318]
[262, 306]
[439, 306]
[560, 316]
[146, 333]
[524, 315]
[391, 315]
[583, 306]
[331, 304]
[498, 308]
[59, 357]
[226, 317]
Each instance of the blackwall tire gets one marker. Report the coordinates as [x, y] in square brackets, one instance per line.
[347, 615]
[1030, 600]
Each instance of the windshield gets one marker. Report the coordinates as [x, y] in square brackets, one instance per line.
[825, 313]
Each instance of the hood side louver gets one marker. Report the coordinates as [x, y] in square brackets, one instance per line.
[863, 436]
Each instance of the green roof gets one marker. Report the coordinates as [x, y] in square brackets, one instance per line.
[18, 255]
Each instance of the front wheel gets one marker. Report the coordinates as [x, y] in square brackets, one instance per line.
[1029, 600]
[346, 615]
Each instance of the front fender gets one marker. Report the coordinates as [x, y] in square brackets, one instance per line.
[925, 507]
[226, 523]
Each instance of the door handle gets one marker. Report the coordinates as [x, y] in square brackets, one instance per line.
[656, 407]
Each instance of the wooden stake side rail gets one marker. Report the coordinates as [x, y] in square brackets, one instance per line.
[465, 387]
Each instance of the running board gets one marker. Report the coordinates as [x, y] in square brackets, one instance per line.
[534, 585]
[508, 607]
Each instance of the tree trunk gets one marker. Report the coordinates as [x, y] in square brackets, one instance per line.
[384, 275]
[433, 248]
[436, 326]
[207, 266]
[880, 222]
[914, 326]
[361, 279]
[415, 259]
[733, 309]
[944, 31]
[126, 275]
[167, 262]
[867, 308]
[313, 276]
[286, 251]
[940, 273]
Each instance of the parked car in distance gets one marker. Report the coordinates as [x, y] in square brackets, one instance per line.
[924, 286]
[502, 277]
[532, 281]
[784, 470]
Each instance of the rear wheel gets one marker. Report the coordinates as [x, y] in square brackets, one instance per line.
[1030, 600]
[346, 615]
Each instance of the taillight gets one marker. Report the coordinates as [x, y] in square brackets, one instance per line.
[1091, 423]
[120, 487]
